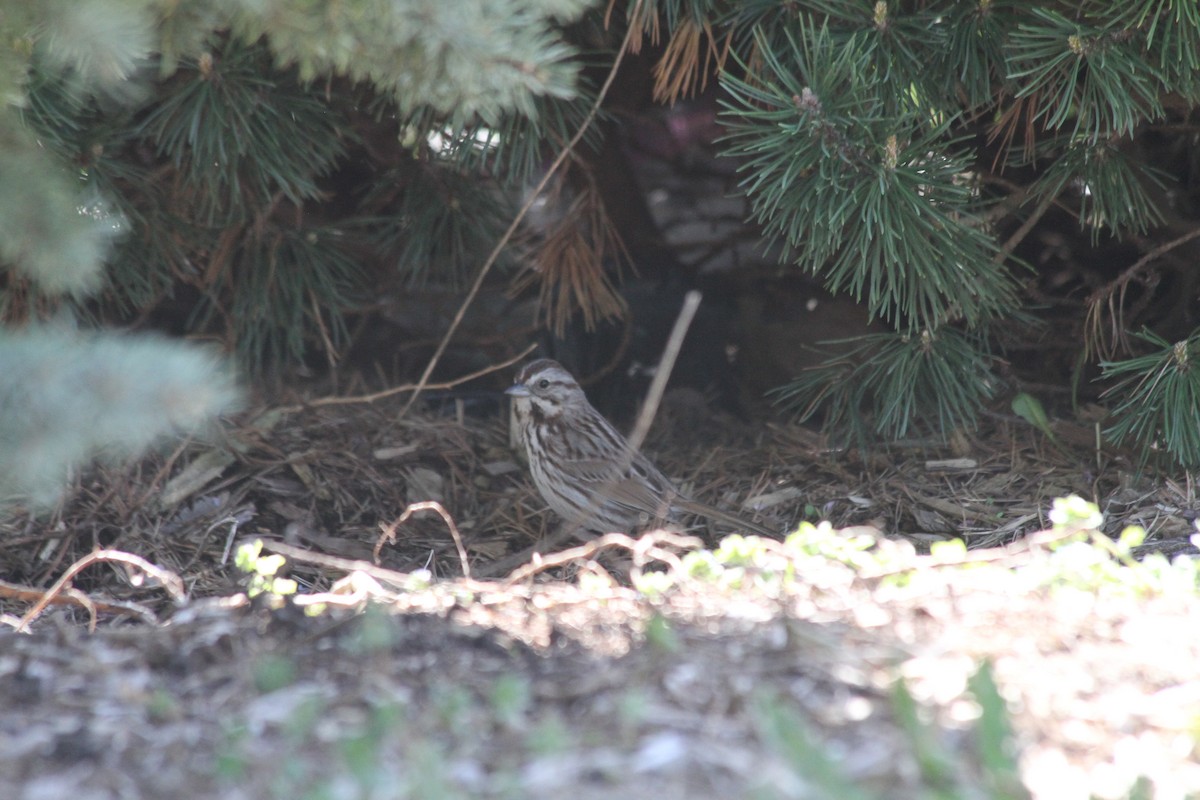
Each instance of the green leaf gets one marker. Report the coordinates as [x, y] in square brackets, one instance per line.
[949, 549]
[1075, 512]
[246, 556]
[1030, 409]
[787, 733]
[1131, 536]
[269, 565]
[994, 736]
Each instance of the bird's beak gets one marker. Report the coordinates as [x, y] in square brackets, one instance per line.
[517, 390]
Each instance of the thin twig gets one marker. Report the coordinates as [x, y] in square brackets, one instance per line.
[389, 531]
[347, 565]
[1119, 284]
[1019, 235]
[647, 547]
[68, 597]
[408, 387]
[169, 580]
[512, 228]
[691, 302]
[1016, 554]
[350, 591]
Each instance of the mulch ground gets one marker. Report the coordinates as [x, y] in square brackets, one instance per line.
[568, 680]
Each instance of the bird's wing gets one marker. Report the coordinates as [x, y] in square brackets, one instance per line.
[640, 488]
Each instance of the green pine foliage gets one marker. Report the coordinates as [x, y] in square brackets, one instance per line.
[1117, 201]
[165, 155]
[226, 158]
[1157, 399]
[881, 143]
[1086, 74]
[460, 59]
[443, 218]
[237, 134]
[820, 143]
[43, 235]
[69, 397]
[220, 172]
[910, 381]
[98, 48]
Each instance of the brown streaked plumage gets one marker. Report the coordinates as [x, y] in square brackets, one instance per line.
[582, 466]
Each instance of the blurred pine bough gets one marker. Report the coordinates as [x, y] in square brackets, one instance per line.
[67, 398]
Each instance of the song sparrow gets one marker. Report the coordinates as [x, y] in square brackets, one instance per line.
[582, 466]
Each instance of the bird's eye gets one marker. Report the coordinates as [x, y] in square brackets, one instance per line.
[544, 383]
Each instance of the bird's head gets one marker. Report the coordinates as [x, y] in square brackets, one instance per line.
[546, 387]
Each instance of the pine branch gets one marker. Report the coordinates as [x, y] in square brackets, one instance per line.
[1172, 40]
[239, 133]
[293, 283]
[1159, 396]
[570, 264]
[1090, 78]
[1115, 198]
[467, 58]
[69, 398]
[46, 232]
[873, 200]
[884, 385]
[439, 223]
[97, 46]
[513, 150]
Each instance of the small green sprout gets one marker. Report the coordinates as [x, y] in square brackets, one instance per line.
[261, 571]
[1076, 513]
